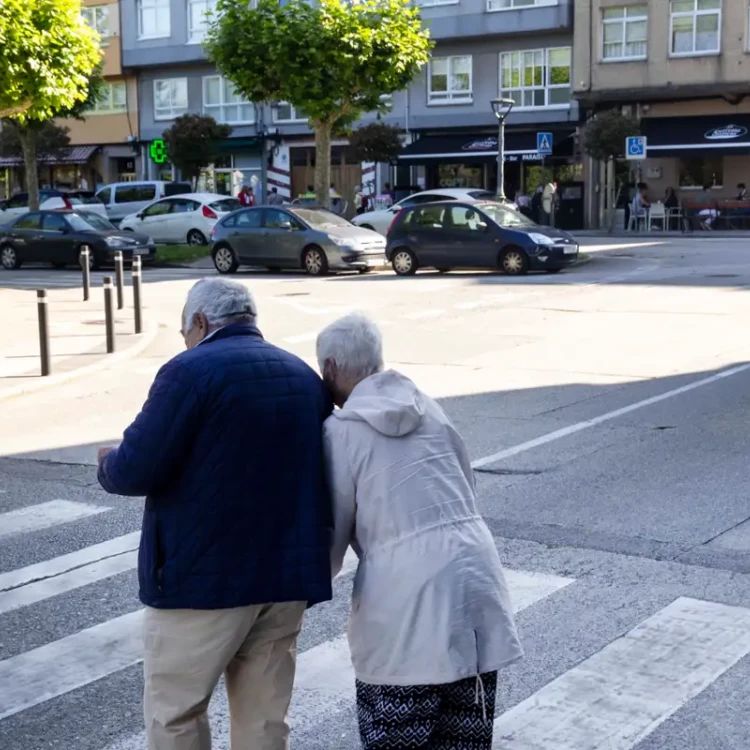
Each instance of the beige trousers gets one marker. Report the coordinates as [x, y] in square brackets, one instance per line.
[187, 651]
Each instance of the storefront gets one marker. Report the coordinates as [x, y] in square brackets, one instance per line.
[73, 167]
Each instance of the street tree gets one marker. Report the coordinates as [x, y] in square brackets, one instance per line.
[52, 139]
[48, 57]
[376, 142]
[333, 59]
[193, 143]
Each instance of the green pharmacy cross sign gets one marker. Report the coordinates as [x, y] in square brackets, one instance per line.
[158, 151]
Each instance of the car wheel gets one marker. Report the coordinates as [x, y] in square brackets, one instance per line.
[225, 259]
[514, 262]
[9, 258]
[93, 263]
[195, 237]
[315, 262]
[404, 262]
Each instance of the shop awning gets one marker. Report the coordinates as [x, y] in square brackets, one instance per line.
[711, 135]
[75, 155]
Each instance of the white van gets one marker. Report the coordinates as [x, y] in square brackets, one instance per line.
[124, 198]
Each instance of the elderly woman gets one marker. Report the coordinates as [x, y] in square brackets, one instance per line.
[431, 619]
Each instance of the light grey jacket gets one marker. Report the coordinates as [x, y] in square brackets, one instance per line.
[430, 603]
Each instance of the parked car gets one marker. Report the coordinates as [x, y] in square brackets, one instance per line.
[120, 199]
[181, 218]
[18, 204]
[381, 220]
[57, 237]
[313, 239]
[475, 234]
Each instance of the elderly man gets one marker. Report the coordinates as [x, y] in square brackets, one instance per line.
[236, 529]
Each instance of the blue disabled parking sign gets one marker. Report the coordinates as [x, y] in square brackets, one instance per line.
[635, 147]
[544, 144]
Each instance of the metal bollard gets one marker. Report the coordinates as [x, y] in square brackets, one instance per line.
[86, 269]
[42, 309]
[137, 294]
[109, 314]
[119, 280]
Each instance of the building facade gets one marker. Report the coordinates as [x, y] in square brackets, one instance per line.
[682, 67]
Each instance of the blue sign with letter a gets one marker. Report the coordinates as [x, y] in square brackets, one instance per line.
[544, 144]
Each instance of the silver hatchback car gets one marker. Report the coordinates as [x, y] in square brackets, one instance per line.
[311, 239]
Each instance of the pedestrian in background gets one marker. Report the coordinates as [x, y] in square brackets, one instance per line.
[274, 199]
[234, 544]
[244, 196]
[431, 620]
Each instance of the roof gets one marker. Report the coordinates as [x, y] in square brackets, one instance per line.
[74, 155]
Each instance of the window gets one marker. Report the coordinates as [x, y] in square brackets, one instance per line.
[429, 3]
[29, 221]
[515, 4]
[536, 78]
[153, 19]
[697, 173]
[54, 223]
[157, 209]
[276, 219]
[415, 200]
[184, 206]
[249, 220]
[428, 217]
[104, 195]
[20, 200]
[449, 80]
[170, 98]
[467, 220]
[134, 193]
[114, 98]
[695, 27]
[97, 17]
[224, 104]
[284, 112]
[197, 19]
[624, 33]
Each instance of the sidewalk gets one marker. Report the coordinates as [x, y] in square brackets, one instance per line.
[697, 235]
[76, 335]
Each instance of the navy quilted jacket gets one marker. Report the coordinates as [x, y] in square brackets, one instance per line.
[228, 452]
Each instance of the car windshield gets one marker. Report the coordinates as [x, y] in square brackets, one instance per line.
[225, 205]
[504, 216]
[89, 223]
[320, 218]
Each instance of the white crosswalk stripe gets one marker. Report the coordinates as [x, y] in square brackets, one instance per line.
[44, 515]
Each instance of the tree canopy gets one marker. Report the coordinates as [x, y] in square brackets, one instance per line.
[604, 134]
[193, 143]
[333, 59]
[51, 139]
[376, 141]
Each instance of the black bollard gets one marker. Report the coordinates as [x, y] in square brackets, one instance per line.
[119, 280]
[109, 314]
[86, 269]
[137, 294]
[42, 309]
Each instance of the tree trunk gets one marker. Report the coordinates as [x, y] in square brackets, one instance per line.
[323, 162]
[27, 137]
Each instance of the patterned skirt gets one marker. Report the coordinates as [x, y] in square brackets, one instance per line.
[456, 716]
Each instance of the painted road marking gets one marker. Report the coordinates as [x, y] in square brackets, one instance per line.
[44, 515]
[621, 694]
[324, 683]
[586, 424]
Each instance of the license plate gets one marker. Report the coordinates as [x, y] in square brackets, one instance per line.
[572, 250]
[142, 251]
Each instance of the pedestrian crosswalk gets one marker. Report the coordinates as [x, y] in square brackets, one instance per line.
[45, 278]
[610, 699]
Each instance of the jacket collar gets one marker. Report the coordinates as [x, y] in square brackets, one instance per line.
[238, 329]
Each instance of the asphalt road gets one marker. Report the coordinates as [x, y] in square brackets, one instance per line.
[604, 410]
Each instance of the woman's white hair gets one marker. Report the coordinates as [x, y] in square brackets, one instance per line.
[355, 344]
[222, 302]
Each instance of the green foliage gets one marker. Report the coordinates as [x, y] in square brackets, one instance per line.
[604, 135]
[376, 142]
[51, 139]
[193, 143]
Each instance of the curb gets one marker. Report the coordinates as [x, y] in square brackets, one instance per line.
[144, 341]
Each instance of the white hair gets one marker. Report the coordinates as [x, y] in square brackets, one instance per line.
[222, 301]
[354, 343]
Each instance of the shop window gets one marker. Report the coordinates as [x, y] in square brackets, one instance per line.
[154, 19]
[695, 27]
[536, 78]
[460, 176]
[170, 98]
[283, 112]
[200, 13]
[224, 103]
[517, 4]
[113, 99]
[625, 33]
[697, 173]
[449, 80]
[97, 17]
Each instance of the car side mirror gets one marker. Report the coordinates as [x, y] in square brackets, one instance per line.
[139, 216]
[285, 225]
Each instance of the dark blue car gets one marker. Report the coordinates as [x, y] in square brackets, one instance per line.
[475, 234]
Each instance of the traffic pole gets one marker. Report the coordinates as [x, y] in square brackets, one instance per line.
[86, 270]
[109, 317]
[119, 280]
[43, 310]
[137, 309]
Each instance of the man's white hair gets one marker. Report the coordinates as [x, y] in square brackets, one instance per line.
[222, 302]
[355, 344]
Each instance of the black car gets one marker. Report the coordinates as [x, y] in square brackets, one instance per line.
[57, 237]
[475, 234]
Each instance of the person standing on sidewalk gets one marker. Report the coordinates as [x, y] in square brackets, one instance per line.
[431, 620]
[235, 543]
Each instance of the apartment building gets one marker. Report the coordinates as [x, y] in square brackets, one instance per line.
[683, 68]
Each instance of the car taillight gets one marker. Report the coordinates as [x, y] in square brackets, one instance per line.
[209, 213]
[67, 202]
[393, 220]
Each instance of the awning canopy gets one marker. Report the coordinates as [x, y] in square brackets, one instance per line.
[479, 149]
[711, 135]
[74, 155]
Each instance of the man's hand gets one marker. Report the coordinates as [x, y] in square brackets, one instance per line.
[104, 452]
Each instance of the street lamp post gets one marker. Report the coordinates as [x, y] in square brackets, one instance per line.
[501, 109]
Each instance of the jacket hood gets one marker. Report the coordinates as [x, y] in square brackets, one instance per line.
[388, 401]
